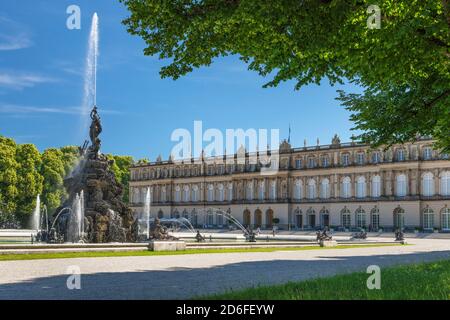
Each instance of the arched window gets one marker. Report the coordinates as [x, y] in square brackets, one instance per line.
[428, 218]
[375, 219]
[163, 194]
[376, 186]
[311, 216]
[195, 193]
[177, 194]
[230, 192]
[324, 218]
[361, 187]
[273, 190]
[269, 218]
[445, 219]
[246, 219]
[262, 190]
[325, 189]
[210, 218]
[311, 189]
[194, 218]
[210, 192]
[250, 190]
[399, 218]
[298, 189]
[220, 192]
[360, 215]
[219, 219]
[298, 218]
[401, 185]
[258, 218]
[445, 183]
[428, 184]
[346, 188]
[346, 218]
[160, 214]
[186, 195]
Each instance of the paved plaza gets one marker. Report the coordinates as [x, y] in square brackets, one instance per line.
[187, 276]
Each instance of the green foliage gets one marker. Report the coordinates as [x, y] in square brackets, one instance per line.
[121, 168]
[404, 65]
[70, 156]
[29, 179]
[8, 175]
[53, 172]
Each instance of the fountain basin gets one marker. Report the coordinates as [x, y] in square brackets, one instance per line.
[167, 246]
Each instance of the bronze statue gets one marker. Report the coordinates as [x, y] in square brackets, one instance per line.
[323, 235]
[159, 232]
[94, 131]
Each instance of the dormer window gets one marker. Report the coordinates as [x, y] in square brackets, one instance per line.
[298, 163]
[311, 162]
[376, 158]
[360, 158]
[325, 161]
[400, 155]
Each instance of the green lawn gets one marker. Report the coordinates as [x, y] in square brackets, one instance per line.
[406, 282]
[33, 256]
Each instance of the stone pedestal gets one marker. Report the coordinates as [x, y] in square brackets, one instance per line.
[328, 243]
[167, 246]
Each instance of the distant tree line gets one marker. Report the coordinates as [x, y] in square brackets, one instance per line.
[25, 172]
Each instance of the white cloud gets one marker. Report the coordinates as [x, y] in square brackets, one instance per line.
[22, 80]
[13, 35]
[14, 109]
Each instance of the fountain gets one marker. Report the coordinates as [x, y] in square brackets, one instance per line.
[94, 210]
[147, 207]
[36, 217]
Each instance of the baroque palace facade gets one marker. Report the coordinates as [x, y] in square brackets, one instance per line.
[342, 185]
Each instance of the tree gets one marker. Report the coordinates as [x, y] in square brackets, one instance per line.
[29, 179]
[404, 66]
[53, 171]
[70, 158]
[121, 168]
[8, 175]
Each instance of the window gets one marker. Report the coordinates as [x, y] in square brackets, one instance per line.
[210, 192]
[399, 218]
[186, 194]
[210, 218]
[311, 162]
[375, 219]
[298, 189]
[345, 159]
[325, 161]
[446, 219]
[262, 190]
[360, 158]
[428, 218]
[346, 218]
[177, 194]
[427, 153]
[361, 187]
[311, 214]
[400, 155]
[346, 188]
[324, 218]
[250, 191]
[428, 184]
[311, 189]
[360, 218]
[445, 183]
[376, 186]
[376, 158]
[401, 185]
[273, 190]
[195, 193]
[325, 189]
[298, 163]
[230, 192]
[220, 192]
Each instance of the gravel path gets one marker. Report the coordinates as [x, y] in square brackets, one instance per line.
[185, 276]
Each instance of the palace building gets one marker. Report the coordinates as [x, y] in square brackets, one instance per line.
[344, 186]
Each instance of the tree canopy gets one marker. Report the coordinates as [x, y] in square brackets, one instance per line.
[403, 66]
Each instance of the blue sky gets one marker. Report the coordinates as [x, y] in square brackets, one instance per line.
[41, 87]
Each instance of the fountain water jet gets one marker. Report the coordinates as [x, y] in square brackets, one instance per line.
[36, 218]
[147, 207]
